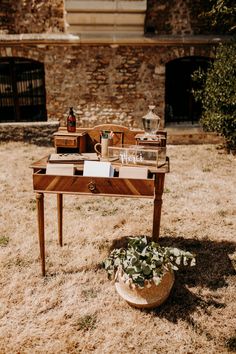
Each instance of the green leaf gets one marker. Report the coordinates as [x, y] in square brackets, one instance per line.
[130, 270]
[147, 270]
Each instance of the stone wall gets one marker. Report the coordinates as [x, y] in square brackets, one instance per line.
[162, 17]
[39, 133]
[179, 17]
[7, 13]
[32, 16]
[104, 84]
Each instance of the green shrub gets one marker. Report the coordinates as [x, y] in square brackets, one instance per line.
[217, 93]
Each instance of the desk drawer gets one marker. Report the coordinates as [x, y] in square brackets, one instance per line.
[93, 185]
[69, 141]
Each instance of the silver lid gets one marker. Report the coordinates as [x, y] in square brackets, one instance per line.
[151, 115]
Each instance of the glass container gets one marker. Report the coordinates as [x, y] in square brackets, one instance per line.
[151, 122]
[137, 155]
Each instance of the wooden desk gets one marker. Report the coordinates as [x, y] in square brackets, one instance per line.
[152, 187]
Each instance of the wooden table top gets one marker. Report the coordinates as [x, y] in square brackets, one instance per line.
[42, 164]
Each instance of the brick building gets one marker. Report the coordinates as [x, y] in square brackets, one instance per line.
[109, 59]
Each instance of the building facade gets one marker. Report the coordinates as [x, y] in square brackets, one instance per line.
[108, 59]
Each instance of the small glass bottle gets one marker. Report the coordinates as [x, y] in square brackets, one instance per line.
[71, 121]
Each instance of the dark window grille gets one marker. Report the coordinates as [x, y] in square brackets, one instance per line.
[180, 105]
[22, 90]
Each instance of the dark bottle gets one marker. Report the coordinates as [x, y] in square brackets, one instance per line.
[71, 121]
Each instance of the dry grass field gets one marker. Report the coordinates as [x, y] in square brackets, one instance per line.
[75, 308]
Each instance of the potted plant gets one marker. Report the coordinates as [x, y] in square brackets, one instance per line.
[144, 271]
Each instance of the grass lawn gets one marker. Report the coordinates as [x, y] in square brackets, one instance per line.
[75, 308]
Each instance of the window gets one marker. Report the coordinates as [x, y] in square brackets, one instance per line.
[180, 103]
[22, 90]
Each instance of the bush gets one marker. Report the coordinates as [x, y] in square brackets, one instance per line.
[217, 93]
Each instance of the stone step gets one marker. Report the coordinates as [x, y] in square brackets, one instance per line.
[191, 135]
[106, 6]
[94, 19]
[95, 16]
[98, 30]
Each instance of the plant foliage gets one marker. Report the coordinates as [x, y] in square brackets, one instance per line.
[144, 261]
[217, 86]
[217, 93]
[223, 13]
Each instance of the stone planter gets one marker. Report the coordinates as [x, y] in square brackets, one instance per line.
[150, 296]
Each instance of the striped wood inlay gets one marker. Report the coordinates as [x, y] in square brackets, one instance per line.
[93, 185]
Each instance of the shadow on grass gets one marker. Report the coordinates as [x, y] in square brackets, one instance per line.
[213, 266]
[212, 261]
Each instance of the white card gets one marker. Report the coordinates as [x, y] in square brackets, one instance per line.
[60, 169]
[98, 169]
[133, 172]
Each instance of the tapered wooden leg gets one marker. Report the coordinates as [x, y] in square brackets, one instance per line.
[159, 187]
[60, 216]
[40, 212]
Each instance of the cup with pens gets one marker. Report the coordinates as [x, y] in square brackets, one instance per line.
[102, 147]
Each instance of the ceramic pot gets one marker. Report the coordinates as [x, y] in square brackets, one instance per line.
[102, 148]
[150, 296]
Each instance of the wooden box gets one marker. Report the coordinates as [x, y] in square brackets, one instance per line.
[70, 142]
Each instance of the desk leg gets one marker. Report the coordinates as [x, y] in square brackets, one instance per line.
[40, 212]
[60, 216]
[159, 187]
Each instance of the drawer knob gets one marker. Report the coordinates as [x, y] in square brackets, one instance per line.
[92, 186]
